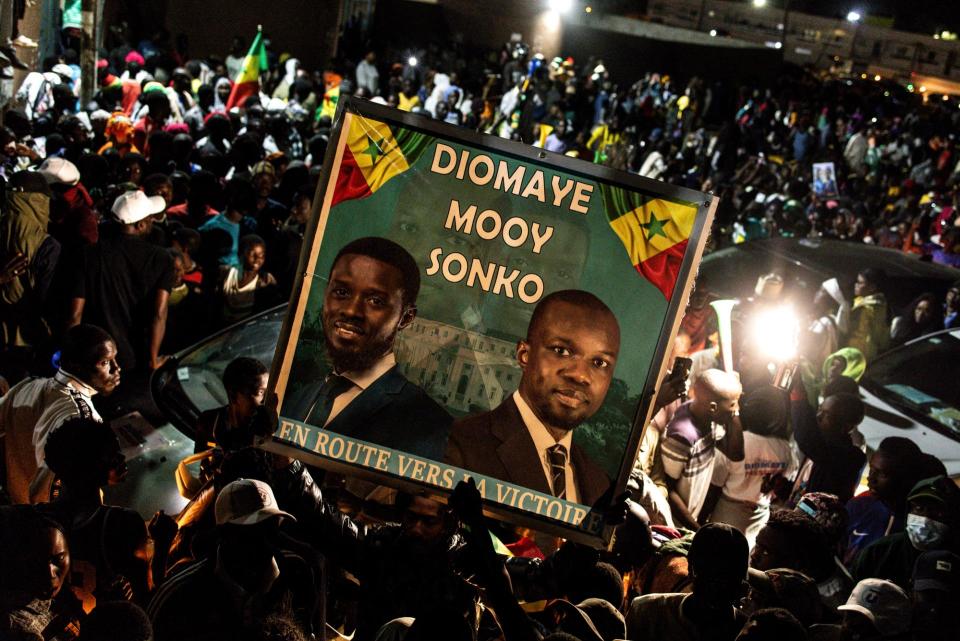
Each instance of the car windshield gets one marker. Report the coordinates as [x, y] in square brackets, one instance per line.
[922, 378]
[201, 367]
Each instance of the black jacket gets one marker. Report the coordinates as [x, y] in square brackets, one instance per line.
[392, 412]
[396, 578]
[498, 444]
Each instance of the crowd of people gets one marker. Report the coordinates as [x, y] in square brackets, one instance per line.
[141, 222]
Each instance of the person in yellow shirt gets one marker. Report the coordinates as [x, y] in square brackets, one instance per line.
[869, 326]
[408, 98]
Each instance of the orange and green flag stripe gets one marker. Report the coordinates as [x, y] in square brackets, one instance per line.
[654, 232]
[374, 154]
[247, 82]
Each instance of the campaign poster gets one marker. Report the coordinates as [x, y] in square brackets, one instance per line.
[825, 180]
[474, 307]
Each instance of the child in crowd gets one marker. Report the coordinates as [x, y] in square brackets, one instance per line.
[187, 242]
[248, 286]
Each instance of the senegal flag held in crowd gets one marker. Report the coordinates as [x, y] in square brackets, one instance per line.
[247, 83]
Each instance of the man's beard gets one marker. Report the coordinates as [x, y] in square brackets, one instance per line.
[345, 360]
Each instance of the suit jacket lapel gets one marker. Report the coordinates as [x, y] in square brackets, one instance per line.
[370, 401]
[516, 451]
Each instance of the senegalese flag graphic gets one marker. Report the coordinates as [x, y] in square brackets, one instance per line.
[654, 232]
[247, 82]
[374, 154]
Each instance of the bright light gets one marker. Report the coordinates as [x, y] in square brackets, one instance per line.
[877, 78]
[588, 9]
[561, 6]
[863, 76]
[910, 86]
[759, 4]
[854, 16]
[945, 98]
[779, 45]
[923, 89]
[774, 333]
[713, 33]
[412, 61]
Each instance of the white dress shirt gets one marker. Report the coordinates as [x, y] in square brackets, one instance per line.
[543, 440]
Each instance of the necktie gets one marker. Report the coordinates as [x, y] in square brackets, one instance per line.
[557, 457]
[333, 387]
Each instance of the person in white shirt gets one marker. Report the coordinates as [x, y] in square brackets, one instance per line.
[367, 74]
[35, 407]
[744, 489]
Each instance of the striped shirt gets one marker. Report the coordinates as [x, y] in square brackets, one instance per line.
[29, 412]
[688, 457]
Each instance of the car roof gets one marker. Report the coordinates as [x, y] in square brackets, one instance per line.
[808, 262]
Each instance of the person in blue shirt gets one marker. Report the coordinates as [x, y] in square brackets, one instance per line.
[235, 219]
[882, 510]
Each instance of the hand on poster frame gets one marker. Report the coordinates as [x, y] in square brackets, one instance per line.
[266, 417]
[467, 503]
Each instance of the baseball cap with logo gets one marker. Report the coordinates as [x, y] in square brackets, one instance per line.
[939, 489]
[59, 171]
[133, 206]
[883, 603]
[247, 502]
[937, 570]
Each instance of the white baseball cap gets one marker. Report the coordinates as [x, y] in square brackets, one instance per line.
[62, 70]
[247, 502]
[59, 171]
[884, 603]
[134, 206]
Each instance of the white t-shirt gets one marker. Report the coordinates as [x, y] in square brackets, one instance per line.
[764, 456]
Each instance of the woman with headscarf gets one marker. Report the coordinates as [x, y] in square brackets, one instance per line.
[221, 94]
[290, 68]
[847, 361]
[119, 135]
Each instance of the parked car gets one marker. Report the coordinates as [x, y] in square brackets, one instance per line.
[805, 263]
[190, 382]
[914, 391]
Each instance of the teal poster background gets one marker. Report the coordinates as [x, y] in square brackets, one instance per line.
[461, 347]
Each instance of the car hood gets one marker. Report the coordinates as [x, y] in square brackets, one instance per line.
[882, 420]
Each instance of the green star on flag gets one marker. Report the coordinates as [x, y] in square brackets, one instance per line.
[654, 227]
[373, 149]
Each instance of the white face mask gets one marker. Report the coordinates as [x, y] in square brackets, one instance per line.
[924, 533]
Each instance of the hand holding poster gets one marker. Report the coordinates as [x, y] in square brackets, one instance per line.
[476, 308]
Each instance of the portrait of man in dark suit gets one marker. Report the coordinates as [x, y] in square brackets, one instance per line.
[567, 362]
[371, 297]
